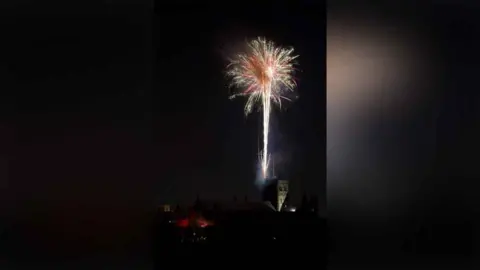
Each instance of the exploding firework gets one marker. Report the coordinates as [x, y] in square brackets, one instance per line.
[263, 74]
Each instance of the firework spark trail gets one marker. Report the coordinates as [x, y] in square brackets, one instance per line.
[266, 126]
[263, 74]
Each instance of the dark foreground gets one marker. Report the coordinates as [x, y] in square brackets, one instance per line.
[235, 238]
[238, 238]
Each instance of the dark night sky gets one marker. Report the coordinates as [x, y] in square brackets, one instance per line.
[218, 145]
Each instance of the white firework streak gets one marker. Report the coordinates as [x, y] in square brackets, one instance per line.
[263, 74]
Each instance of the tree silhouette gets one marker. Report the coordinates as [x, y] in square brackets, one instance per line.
[304, 203]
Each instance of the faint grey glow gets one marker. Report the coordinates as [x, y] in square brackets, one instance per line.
[375, 73]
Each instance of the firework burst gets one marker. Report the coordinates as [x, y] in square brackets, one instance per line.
[263, 74]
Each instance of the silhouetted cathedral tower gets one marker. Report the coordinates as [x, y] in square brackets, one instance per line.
[276, 192]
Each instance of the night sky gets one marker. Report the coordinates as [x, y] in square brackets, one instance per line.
[108, 110]
[213, 146]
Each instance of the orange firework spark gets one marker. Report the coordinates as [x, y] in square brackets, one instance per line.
[263, 74]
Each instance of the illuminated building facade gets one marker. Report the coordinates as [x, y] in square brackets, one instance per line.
[276, 192]
[165, 208]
